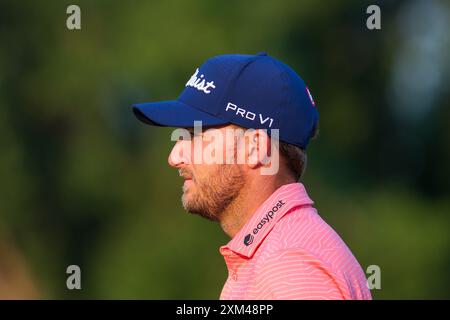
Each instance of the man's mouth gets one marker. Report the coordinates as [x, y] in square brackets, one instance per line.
[187, 183]
[187, 179]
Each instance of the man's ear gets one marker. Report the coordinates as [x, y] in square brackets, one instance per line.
[258, 146]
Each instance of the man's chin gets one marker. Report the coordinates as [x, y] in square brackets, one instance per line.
[205, 215]
[194, 208]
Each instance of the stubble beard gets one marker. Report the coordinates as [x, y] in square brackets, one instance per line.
[214, 194]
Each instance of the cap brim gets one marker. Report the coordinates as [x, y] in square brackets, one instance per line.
[173, 113]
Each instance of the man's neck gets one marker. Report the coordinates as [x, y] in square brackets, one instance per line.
[252, 195]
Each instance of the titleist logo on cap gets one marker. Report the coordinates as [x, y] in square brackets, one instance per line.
[200, 83]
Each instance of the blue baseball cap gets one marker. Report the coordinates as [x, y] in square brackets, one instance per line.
[251, 91]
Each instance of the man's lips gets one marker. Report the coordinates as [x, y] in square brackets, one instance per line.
[185, 175]
[187, 179]
[187, 183]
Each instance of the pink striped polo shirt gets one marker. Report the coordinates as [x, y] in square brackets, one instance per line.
[286, 251]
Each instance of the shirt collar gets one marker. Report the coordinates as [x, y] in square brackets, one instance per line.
[251, 235]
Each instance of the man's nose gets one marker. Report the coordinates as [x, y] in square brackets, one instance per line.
[180, 154]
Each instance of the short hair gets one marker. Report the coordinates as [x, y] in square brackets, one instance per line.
[296, 157]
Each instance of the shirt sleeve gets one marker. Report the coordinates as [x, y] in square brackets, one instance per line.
[295, 274]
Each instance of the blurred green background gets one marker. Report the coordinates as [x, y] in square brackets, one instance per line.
[82, 182]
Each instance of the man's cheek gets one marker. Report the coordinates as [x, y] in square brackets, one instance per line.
[213, 148]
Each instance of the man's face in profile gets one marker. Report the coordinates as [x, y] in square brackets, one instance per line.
[208, 188]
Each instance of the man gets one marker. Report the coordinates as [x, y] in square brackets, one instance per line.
[280, 248]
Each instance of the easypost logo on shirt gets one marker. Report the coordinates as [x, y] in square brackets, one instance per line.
[248, 240]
